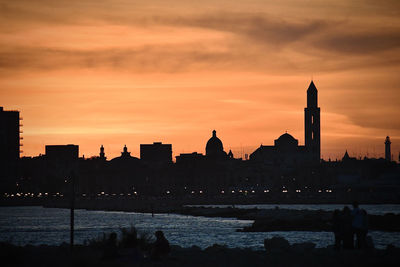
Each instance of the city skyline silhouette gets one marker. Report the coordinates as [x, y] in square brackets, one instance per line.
[155, 73]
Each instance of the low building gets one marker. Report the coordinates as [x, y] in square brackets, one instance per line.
[156, 153]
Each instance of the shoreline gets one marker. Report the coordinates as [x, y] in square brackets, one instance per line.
[264, 220]
[276, 254]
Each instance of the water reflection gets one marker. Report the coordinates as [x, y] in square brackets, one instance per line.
[37, 225]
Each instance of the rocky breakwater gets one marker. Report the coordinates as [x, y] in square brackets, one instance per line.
[307, 220]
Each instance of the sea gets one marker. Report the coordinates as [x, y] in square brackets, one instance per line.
[50, 226]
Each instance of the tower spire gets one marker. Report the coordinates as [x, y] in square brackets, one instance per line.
[312, 128]
[388, 154]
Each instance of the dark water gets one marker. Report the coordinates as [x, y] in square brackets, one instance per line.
[37, 225]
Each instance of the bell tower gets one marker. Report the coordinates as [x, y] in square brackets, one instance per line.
[388, 154]
[102, 154]
[312, 127]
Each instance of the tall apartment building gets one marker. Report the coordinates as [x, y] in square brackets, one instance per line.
[9, 148]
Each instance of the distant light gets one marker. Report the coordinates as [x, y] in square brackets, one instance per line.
[192, 192]
[129, 194]
[298, 191]
[233, 191]
[84, 195]
[168, 192]
[135, 193]
[106, 194]
[240, 190]
[65, 181]
[102, 193]
[222, 192]
[46, 194]
[284, 191]
[319, 191]
[121, 194]
[253, 191]
[114, 194]
[201, 192]
[266, 191]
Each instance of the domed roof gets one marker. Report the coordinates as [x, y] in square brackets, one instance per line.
[286, 140]
[214, 145]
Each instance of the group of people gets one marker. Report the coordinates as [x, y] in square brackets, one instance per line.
[348, 224]
[157, 250]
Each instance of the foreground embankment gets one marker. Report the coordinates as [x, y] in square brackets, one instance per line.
[216, 255]
[268, 220]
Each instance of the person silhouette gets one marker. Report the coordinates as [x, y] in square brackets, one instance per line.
[160, 247]
[364, 229]
[337, 228]
[358, 224]
[346, 224]
[110, 249]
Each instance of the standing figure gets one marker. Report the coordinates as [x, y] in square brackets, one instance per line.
[348, 240]
[364, 229]
[358, 224]
[161, 247]
[337, 228]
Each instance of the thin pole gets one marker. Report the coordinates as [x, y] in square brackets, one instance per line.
[72, 211]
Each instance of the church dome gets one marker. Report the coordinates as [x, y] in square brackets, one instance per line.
[286, 140]
[214, 145]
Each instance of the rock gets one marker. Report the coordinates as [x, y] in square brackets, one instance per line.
[276, 244]
[195, 248]
[216, 248]
[303, 247]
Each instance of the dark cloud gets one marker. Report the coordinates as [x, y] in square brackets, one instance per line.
[375, 118]
[256, 26]
[150, 58]
[256, 41]
[359, 43]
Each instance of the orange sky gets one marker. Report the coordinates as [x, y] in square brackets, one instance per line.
[121, 72]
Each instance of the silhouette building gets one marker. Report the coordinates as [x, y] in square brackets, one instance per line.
[125, 153]
[312, 127]
[388, 154]
[9, 146]
[102, 154]
[286, 151]
[215, 148]
[65, 153]
[189, 158]
[157, 153]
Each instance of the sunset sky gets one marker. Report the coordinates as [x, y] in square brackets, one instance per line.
[94, 72]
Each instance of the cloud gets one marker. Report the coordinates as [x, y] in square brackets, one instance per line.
[360, 43]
